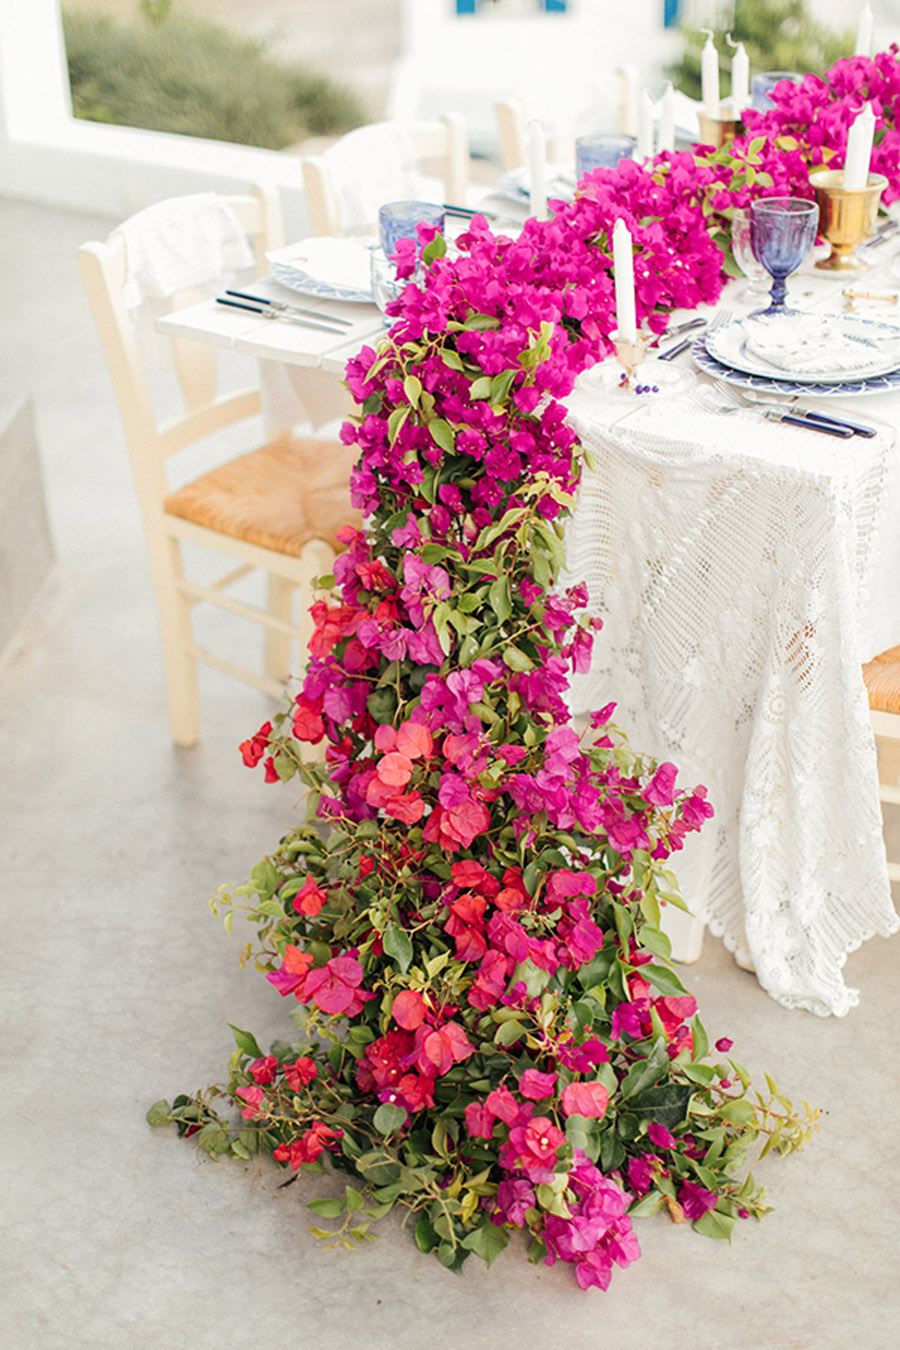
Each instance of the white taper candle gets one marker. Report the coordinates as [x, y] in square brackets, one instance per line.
[667, 118]
[864, 32]
[645, 127]
[859, 150]
[709, 78]
[623, 274]
[740, 79]
[536, 139]
[629, 89]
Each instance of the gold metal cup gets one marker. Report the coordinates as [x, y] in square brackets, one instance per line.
[721, 130]
[630, 354]
[846, 218]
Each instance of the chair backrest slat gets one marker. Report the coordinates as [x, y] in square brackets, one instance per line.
[324, 176]
[104, 270]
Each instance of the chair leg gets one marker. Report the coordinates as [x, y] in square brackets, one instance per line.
[175, 627]
[280, 604]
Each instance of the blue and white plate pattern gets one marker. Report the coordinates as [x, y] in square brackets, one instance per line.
[763, 384]
[327, 269]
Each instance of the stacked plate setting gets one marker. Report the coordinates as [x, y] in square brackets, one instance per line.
[803, 354]
[328, 269]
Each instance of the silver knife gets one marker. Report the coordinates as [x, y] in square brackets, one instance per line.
[858, 428]
[842, 433]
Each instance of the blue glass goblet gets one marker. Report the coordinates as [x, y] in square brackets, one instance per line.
[765, 82]
[401, 220]
[782, 231]
[601, 152]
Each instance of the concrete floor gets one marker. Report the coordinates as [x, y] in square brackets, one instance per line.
[117, 987]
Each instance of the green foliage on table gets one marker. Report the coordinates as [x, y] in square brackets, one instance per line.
[778, 35]
[197, 78]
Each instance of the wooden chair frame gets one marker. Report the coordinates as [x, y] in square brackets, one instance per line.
[512, 118]
[886, 726]
[446, 141]
[104, 269]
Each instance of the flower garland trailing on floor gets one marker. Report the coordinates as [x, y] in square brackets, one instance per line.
[490, 1035]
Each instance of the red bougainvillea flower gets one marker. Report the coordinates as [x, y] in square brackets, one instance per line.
[444, 1047]
[408, 1009]
[308, 1147]
[253, 749]
[299, 1074]
[290, 978]
[394, 770]
[263, 1071]
[310, 899]
[254, 1097]
[479, 1121]
[537, 1085]
[469, 875]
[334, 987]
[308, 722]
[585, 1099]
[723, 1045]
[414, 1091]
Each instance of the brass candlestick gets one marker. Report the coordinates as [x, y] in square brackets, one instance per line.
[846, 217]
[630, 352]
[721, 130]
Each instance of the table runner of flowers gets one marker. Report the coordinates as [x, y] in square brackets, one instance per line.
[488, 1035]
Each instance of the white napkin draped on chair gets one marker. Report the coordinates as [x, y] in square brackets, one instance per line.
[183, 242]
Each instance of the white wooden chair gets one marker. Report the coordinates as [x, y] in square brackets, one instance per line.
[383, 162]
[512, 119]
[882, 678]
[513, 115]
[275, 509]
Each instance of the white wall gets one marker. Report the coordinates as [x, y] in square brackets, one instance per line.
[48, 156]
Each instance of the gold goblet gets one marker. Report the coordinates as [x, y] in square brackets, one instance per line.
[630, 352]
[846, 217]
[721, 130]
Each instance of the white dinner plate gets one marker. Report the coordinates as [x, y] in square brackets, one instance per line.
[807, 348]
[329, 269]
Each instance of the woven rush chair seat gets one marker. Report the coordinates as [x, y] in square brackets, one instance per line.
[882, 678]
[279, 497]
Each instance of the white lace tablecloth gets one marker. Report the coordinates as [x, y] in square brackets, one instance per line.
[744, 571]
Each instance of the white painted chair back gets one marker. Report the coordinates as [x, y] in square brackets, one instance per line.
[104, 270]
[512, 118]
[384, 162]
[513, 115]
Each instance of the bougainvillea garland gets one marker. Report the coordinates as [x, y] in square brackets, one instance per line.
[490, 1036]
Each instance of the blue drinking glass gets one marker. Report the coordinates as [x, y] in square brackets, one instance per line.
[764, 83]
[601, 152]
[400, 220]
[782, 231]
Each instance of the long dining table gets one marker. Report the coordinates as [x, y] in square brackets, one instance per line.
[745, 570]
